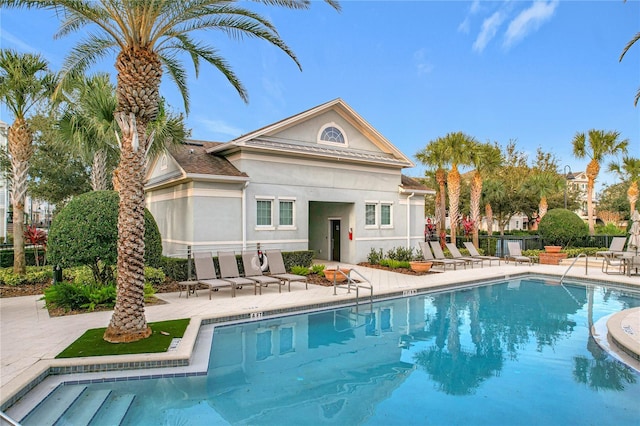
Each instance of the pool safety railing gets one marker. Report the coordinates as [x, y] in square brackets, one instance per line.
[352, 280]
[6, 420]
[354, 318]
[586, 265]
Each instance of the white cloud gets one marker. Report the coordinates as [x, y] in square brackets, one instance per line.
[17, 42]
[422, 64]
[464, 26]
[219, 127]
[489, 29]
[529, 20]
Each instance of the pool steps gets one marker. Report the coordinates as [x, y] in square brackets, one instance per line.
[82, 406]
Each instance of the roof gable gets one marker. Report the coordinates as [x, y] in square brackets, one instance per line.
[299, 134]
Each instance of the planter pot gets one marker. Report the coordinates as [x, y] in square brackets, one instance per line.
[552, 249]
[420, 266]
[331, 274]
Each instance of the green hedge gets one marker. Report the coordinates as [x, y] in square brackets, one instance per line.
[6, 257]
[177, 269]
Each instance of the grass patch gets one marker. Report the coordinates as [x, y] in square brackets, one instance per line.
[91, 342]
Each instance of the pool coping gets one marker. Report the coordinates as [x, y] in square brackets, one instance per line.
[182, 356]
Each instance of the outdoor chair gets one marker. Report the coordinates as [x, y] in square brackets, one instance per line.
[252, 271]
[457, 255]
[614, 262]
[206, 273]
[438, 254]
[473, 252]
[427, 255]
[229, 271]
[616, 246]
[277, 269]
[515, 254]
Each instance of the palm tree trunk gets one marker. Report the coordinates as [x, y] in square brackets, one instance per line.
[632, 196]
[543, 206]
[476, 193]
[488, 212]
[592, 173]
[99, 171]
[442, 202]
[128, 322]
[453, 180]
[20, 150]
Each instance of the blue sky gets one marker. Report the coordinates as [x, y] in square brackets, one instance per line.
[535, 72]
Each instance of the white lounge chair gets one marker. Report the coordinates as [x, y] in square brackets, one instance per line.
[206, 273]
[439, 255]
[457, 255]
[252, 271]
[473, 252]
[278, 270]
[616, 246]
[515, 254]
[615, 262]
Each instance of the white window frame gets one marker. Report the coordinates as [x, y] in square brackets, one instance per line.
[390, 224]
[291, 200]
[375, 214]
[269, 227]
[337, 126]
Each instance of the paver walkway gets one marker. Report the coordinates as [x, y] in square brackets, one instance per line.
[30, 339]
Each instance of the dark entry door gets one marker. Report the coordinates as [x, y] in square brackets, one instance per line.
[335, 240]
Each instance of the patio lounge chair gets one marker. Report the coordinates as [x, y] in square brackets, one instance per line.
[515, 254]
[206, 273]
[229, 271]
[615, 262]
[439, 255]
[457, 255]
[473, 252]
[428, 256]
[616, 246]
[253, 271]
[277, 269]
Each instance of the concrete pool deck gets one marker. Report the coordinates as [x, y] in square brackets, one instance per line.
[30, 339]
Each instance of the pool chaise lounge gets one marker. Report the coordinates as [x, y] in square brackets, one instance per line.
[473, 252]
[278, 270]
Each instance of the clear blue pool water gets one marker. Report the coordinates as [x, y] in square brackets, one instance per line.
[511, 353]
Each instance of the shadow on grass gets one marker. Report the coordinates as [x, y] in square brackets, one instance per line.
[91, 342]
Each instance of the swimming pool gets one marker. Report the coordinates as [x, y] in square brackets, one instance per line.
[514, 352]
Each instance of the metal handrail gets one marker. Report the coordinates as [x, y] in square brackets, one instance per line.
[351, 283]
[586, 265]
[4, 416]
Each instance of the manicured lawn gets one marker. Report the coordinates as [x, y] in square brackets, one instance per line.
[91, 342]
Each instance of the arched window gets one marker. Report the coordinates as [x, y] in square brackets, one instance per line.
[333, 134]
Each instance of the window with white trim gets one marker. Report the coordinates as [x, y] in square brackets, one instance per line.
[286, 213]
[264, 214]
[386, 216]
[332, 133]
[264, 345]
[370, 214]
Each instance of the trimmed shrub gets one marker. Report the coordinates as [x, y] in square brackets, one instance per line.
[560, 227]
[300, 270]
[85, 232]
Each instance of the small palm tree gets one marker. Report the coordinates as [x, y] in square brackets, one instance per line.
[458, 151]
[596, 145]
[485, 158]
[88, 126]
[25, 82]
[146, 37]
[434, 155]
[544, 184]
[629, 172]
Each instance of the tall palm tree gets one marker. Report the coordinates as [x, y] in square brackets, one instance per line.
[147, 36]
[435, 155]
[459, 147]
[596, 145]
[25, 82]
[629, 172]
[485, 158]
